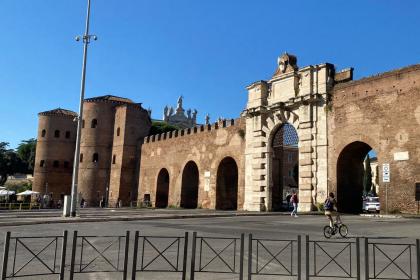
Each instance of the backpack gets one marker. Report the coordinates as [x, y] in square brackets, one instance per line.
[328, 205]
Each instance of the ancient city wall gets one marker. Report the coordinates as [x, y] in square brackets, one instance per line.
[207, 146]
[383, 113]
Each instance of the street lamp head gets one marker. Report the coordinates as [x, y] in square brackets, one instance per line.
[95, 37]
[77, 38]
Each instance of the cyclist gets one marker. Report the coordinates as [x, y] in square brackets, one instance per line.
[330, 207]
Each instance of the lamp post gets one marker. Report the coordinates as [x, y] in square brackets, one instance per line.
[86, 40]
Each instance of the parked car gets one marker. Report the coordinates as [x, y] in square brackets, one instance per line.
[371, 204]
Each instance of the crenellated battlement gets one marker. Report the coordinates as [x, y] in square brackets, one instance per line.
[190, 131]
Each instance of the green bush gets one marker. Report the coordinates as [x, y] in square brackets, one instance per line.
[320, 207]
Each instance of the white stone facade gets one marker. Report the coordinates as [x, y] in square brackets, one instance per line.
[298, 97]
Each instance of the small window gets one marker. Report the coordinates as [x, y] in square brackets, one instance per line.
[43, 133]
[113, 159]
[94, 123]
[81, 158]
[66, 164]
[57, 133]
[56, 163]
[67, 134]
[118, 131]
[42, 163]
[95, 157]
[83, 123]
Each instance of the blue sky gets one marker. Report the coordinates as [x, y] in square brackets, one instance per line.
[152, 51]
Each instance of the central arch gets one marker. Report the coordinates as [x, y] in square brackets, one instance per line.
[189, 189]
[350, 170]
[227, 185]
[284, 158]
[162, 189]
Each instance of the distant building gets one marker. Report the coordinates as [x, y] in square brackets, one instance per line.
[178, 118]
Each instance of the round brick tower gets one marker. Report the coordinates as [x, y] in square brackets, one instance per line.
[54, 153]
[96, 147]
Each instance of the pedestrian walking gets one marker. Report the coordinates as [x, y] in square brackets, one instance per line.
[295, 201]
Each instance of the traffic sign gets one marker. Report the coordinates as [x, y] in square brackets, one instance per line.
[386, 173]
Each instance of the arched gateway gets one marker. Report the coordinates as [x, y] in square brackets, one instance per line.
[298, 97]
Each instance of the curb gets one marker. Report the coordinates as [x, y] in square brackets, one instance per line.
[147, 218]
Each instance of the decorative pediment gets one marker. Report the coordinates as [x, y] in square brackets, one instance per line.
[285, 64]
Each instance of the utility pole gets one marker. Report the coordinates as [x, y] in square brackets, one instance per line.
[86, 40]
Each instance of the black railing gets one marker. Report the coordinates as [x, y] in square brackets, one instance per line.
[274, 257]
[392, 260]
[93, 254]
[28, 257]
[45, 256]
[160, 254]
[217, 255]
[336, 259]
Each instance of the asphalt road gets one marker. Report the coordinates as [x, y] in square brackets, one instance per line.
[264, 226]
[389, 230]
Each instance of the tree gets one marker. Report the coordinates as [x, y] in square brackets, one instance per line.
[10, 163]
[26, 152]
[161, 127]
[367, 177]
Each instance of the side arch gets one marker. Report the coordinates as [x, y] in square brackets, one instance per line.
[162, 189]
[227, 185]
[350, 172]
[189, 187]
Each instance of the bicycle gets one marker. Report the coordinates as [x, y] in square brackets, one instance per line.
[341, 228]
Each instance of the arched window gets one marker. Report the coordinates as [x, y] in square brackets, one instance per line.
[43, 133]
[42, 163]
[56, 163]
[118, 131]
[94, 123]
[57, 133]
[81, 158]
[67, 134]
[113, 159]
[95, 157]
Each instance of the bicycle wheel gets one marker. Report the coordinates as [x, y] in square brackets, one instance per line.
[343, 230]
[327, 231]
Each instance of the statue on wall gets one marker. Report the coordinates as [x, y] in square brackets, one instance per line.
[179, 102]
[207, 119]
[194, 115]
[165, 113]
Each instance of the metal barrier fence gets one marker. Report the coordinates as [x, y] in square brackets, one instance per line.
[337, 259]
[160, 254]
[299, 258]
[25, 266]
[100, 254]
[19, 206]
[274, 257]
[399, 260]
[217, 255]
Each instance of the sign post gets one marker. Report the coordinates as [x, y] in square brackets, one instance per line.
[386, 178]
[418, 197]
